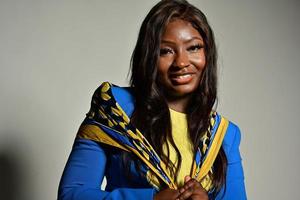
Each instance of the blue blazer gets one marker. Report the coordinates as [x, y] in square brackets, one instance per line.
[90, 161]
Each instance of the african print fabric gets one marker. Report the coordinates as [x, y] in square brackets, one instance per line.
[106, 122]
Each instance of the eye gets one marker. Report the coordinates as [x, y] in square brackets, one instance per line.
[165, 51]
[195, 48]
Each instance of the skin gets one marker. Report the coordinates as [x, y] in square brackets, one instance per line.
[191, 190]
[181, 62]
[180, 67]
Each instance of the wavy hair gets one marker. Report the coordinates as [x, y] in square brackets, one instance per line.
[151, 113]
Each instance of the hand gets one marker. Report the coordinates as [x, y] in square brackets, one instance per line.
[167, 194]
[193, 190]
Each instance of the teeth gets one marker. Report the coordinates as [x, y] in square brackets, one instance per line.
[184, 76]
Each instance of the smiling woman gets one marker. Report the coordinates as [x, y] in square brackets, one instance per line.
[181, 62]
[159, 139]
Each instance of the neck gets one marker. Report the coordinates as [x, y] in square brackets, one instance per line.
[178, 104]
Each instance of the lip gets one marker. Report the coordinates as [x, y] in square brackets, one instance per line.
[180, 79]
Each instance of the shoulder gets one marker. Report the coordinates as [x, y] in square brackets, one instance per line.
[233, 134]
[121, 95]
[124, 97]
[232, 138]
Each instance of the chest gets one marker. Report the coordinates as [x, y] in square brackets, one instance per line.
[121, 172]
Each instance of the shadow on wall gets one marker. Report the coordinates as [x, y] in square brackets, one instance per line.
[9, 173]
[13, 176]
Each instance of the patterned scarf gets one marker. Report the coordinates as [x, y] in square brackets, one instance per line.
[107, 123]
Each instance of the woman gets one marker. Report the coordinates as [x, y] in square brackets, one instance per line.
[160, 138]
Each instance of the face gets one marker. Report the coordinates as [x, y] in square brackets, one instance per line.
[182, 59]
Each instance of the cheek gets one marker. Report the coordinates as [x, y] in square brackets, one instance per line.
[199, 61]
[163, 66]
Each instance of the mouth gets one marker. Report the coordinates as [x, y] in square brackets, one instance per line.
[180, 79]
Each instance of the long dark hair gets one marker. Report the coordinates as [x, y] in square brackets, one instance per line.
[151, 113]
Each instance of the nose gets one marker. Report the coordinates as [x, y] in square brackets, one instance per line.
[182, 59]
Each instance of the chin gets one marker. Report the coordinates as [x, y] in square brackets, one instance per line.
[183, 90]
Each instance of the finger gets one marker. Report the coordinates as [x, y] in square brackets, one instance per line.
[187, 185]
[190, 183]
[186, 194]
[199, 190]
[187, 178]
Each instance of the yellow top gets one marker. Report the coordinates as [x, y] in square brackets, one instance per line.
[183, 143]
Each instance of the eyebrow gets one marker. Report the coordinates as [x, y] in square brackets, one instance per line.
[187, 41]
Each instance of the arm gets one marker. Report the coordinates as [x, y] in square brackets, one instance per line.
[84, 173]
[235, 187]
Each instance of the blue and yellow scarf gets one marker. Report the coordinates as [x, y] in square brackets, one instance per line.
[107, 123]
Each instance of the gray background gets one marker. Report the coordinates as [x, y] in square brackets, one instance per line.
[54, 54]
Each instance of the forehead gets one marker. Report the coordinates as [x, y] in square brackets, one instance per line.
[180, 29]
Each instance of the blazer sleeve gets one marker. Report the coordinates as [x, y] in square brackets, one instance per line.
[84, 172]
[235, 187]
